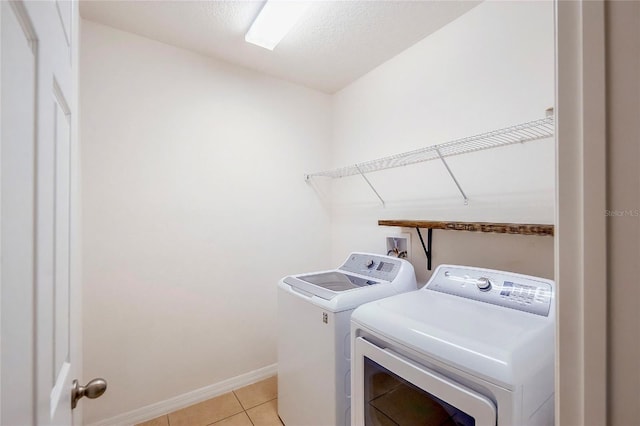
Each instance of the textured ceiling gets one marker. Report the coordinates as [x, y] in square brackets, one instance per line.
[335, 43]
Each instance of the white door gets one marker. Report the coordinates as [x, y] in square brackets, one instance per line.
[39, 212]
[390, 389]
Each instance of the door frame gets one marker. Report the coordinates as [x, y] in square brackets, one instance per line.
[580, 243]
[75, 270]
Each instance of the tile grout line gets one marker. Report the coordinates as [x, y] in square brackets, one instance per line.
[238, 399]
[245, 410]
[242, 405]
[234, 414]
[384, 414]
[242, 410]
[250, 420]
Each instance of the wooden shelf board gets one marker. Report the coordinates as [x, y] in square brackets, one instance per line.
[500, 228]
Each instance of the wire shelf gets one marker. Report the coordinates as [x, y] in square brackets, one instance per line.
[526, 132]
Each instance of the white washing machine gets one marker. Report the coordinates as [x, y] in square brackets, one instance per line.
[314, 313]
[473, 347]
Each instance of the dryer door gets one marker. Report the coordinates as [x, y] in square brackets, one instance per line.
[390, 389]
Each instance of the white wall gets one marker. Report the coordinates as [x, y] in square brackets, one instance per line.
[194, 206]
[489, 69]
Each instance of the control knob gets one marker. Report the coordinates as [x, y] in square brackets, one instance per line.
[369, 263]
[483, 284]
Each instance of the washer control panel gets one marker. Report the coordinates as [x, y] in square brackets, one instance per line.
[380, 267]
[515, 291]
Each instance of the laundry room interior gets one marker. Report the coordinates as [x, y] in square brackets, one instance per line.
[201, 163]
[195, 201]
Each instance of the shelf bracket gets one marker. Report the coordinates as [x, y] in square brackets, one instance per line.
[427, 248]
[466, 200]
[370, 185]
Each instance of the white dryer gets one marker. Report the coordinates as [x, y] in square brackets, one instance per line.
[314, 312]
[473, 347]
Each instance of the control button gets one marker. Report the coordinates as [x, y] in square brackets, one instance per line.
[369, 264]
[483, 284]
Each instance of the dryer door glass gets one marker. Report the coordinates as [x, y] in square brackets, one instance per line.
[390, 389]
[388, 397]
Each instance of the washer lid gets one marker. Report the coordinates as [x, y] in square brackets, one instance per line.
[328, 284]
[498, 344]
[337, 281]
[363, 277]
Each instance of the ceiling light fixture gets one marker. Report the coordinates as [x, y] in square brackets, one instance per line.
[274, 21]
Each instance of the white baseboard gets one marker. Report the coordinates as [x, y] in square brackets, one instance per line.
[181, 401]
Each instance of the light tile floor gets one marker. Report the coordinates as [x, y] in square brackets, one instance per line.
[252, 405]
